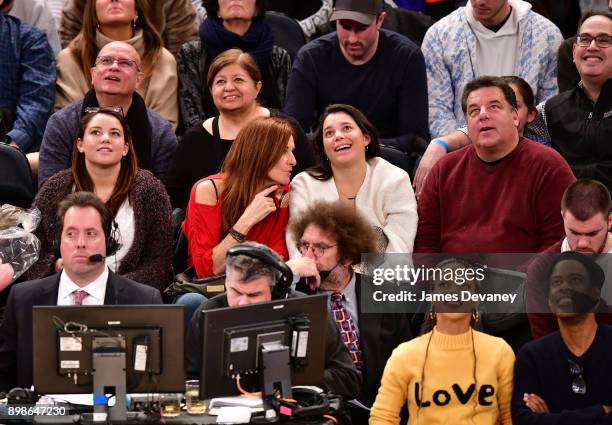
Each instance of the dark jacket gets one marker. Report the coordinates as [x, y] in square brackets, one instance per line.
[582, 130]
[149, 259]
[542, 368]
[379, 334]
[62, 128]
[16, 355]
[340, 376]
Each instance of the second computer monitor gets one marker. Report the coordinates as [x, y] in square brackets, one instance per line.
[233, 338]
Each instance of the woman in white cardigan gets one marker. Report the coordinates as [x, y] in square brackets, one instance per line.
[351, 171]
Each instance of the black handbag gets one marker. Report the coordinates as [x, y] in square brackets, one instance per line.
[187, 282]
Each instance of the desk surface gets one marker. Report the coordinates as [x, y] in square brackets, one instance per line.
[184, 419]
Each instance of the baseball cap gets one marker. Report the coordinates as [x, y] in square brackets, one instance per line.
[362, 11]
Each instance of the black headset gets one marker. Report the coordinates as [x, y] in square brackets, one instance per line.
[284, 279]
[112, 241]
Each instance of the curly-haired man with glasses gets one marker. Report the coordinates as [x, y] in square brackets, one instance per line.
[331, 240]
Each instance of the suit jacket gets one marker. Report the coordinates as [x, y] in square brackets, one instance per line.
[16, 328]
[379, 334]
[340, 375]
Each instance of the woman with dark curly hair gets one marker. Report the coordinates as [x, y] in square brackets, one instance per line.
[351, 170]
[230, 24]
[104, 162]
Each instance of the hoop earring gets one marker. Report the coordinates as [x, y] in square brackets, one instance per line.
[432, 316]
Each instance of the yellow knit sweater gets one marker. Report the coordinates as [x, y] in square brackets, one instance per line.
[443, 391]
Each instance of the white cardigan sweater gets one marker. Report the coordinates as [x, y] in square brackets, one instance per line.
[385, 199]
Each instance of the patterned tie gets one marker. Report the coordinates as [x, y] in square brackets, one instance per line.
[79, 296]
[347, 329]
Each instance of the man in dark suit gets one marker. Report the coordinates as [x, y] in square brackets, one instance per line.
[85, 241]
[331, 239]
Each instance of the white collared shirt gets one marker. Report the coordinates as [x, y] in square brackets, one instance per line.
[96, 290]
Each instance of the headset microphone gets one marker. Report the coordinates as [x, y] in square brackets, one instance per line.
[96, 258]
[325, 273]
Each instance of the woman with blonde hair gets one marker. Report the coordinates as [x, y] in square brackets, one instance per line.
[249, 200]
[105, 21]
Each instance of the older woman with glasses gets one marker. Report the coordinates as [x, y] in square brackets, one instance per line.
[104, 162]
[105, 21]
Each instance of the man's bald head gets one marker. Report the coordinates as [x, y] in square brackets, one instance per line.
[121, 46]
[117, 70]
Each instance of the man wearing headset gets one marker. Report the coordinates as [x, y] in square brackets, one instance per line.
[84, 242]
[249, 281]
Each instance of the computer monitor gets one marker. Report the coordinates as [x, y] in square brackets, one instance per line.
[114, 349]
[263, 343]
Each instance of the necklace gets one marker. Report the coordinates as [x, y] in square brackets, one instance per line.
[343, 195]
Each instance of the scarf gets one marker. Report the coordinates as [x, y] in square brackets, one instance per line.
[258, 40]
[138, 120]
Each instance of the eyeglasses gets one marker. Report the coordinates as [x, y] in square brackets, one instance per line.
[578, 384]
[96, 109]
[317, 249]
[123, 63]
[585, 40]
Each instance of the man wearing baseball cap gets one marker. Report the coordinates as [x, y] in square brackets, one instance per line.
[380, 72]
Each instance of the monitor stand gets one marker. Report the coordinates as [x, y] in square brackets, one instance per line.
[275, 376]
[109, 378]
[109, 364]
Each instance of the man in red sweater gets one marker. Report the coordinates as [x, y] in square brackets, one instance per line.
[586, 210]
[499, 194]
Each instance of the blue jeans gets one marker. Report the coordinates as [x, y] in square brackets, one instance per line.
[190, 301]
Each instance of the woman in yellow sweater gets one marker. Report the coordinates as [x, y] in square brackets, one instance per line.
[451, 375]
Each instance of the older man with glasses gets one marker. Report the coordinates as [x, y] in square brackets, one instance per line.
[566, 377]
[115, 77]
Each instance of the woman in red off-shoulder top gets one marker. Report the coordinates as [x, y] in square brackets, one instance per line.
[249, 200]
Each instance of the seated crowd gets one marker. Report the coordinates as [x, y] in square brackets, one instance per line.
[311, 161]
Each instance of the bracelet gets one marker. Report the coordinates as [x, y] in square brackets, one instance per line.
[239, 237]
[441, 143]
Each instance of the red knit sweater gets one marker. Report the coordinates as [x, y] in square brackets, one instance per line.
[202, 226]
[511, 205]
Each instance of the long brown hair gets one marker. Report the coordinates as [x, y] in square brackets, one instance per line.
[127, 173]
[85, 50]
[257, 148]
